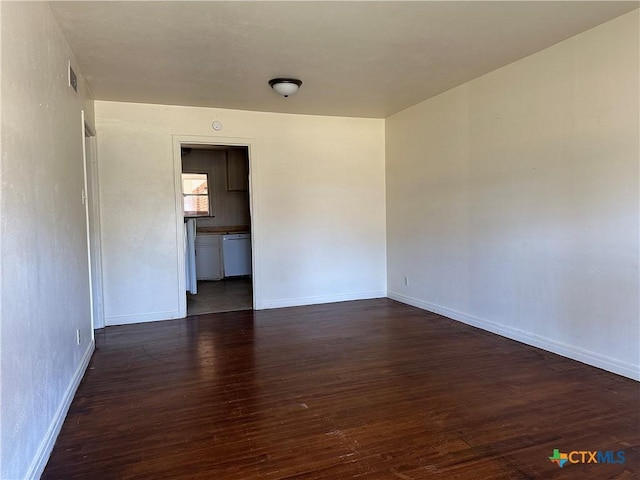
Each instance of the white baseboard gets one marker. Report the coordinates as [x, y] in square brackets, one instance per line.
[141, 318]
[594, 359]
[299, 301]
[46, 446]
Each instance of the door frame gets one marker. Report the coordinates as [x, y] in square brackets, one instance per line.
[92, 214]
[189, 140]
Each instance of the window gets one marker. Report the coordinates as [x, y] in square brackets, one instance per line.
[195, 194]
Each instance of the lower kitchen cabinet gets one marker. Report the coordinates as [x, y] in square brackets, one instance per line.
[208, 257]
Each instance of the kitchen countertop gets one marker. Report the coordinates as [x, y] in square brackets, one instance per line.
[222, 230]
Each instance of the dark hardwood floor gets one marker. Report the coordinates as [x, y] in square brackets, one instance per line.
[368, 389]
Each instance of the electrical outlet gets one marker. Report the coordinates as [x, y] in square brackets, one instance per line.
[78, 336]
[406, 281]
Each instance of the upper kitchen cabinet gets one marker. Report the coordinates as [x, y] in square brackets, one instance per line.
[237, 170]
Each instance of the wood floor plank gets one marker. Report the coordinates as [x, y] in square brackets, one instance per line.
[367, 390]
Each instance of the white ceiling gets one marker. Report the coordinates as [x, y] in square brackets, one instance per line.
[365, 59]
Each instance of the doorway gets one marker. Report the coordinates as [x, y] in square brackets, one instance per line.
[216, 210]
[91, 201]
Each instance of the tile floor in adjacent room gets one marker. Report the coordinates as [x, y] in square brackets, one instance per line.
[228, 295]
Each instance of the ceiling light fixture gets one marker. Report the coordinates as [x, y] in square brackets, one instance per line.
[285, 86]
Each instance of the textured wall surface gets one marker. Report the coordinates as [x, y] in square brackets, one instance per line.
[317, 186]
[512, 200]
[45, 282]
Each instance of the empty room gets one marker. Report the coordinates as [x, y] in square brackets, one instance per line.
[320, 240]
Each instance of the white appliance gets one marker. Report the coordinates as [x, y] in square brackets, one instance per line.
[190, 256]
[236, 254]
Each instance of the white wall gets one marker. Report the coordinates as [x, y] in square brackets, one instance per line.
[512, 200]
[318, 199]
[44, 279]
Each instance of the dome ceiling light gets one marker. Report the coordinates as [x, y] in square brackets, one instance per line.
[285, 86]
